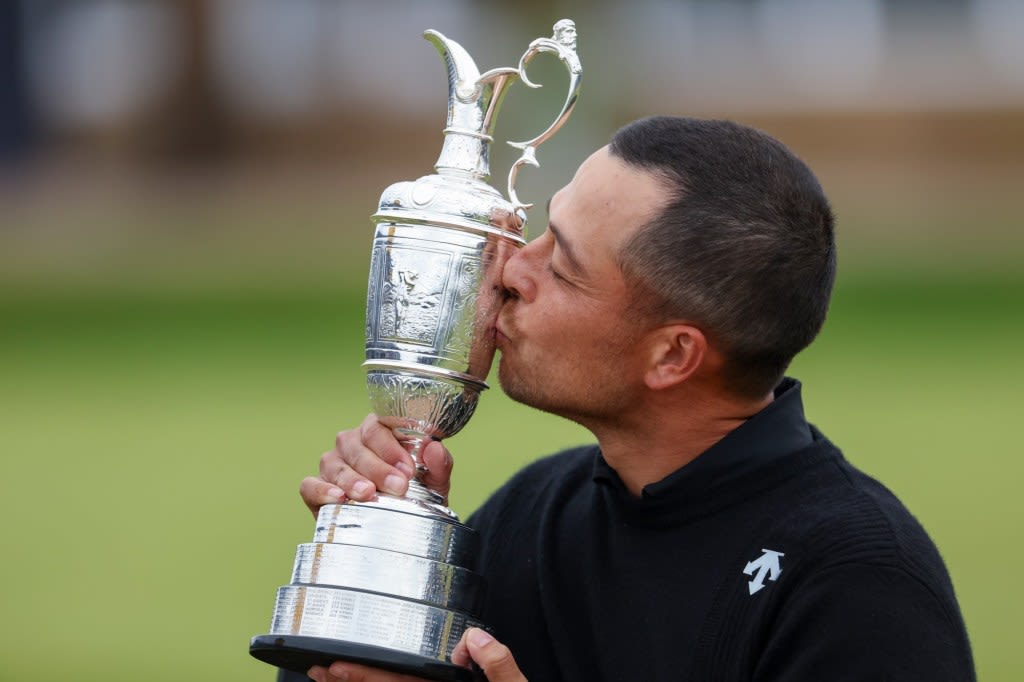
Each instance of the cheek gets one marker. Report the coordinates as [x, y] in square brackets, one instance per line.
[560, 325]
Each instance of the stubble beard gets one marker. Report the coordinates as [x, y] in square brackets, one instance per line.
[585, 394]
[536, 390]
[524, 388]
[522, 380]
[515, 387]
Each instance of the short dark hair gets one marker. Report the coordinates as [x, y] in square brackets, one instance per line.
[744, 248]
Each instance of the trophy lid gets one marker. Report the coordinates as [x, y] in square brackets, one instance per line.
[458, 196]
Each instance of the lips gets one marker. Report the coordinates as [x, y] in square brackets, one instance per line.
[499, 332]
[499, 337]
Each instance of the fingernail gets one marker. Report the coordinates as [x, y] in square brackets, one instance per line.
[362, 488]
[405, 469]
[393, 483]
[480, 638]
[335, 493]
[339, 671]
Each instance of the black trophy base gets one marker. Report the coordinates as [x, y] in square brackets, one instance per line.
[298, 653]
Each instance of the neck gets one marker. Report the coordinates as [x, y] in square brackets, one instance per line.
[666, 436]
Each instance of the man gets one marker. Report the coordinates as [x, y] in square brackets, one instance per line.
[712, 533]
[565, 33]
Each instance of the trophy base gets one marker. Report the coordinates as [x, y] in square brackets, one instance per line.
[300, 653]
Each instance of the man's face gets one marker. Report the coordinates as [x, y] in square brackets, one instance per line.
[567, 36]
[567, 342]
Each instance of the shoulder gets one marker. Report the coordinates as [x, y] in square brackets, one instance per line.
[575, 463]
[858, 579]
[535, 482]
[867, 620]
[827, 505]
[824, 517]
[850, 516]
[848, 534]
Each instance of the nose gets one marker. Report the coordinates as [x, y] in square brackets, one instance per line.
[517, 276]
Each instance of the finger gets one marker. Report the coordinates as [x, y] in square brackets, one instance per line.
[381, 440]
[439, 468]
[357, 487]
[335, 472]
[358, 470]
[331, 462]
[364, 451]
[353, 486]
[460, 654]
[351, 672]
[493, 656]
[317, 492]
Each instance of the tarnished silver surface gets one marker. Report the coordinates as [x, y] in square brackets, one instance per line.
[368, 618]
[386, 572]
[378, 525]
[397, 572]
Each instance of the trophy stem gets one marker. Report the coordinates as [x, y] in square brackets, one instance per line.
[414, 444]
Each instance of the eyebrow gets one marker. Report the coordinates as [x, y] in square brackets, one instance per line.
[566, 247]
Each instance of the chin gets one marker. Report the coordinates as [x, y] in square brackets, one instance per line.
[514, 387]
[536, 392]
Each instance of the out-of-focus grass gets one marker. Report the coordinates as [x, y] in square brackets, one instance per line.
[153, 445]
[176, 352]
[152, 452]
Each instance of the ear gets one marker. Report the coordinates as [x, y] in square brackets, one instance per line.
[676, 352]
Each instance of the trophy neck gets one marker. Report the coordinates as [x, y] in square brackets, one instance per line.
[466, 150]
[465, 154]
[473, 103]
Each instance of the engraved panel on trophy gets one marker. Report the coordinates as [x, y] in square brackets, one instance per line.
[464, 296]
[413, 289]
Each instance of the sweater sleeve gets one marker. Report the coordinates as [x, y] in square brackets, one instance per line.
[865, 622]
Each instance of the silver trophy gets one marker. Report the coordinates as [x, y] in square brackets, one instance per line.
[390, 582]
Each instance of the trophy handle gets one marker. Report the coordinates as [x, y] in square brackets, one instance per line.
[561, 43]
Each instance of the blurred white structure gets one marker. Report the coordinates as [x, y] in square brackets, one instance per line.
[93, 62]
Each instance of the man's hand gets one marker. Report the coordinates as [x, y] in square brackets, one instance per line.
[492, 656]
[476, 645]
[352, 672]
[370, 459]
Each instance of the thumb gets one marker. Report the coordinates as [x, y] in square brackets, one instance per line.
[492, 656]
[439, 468]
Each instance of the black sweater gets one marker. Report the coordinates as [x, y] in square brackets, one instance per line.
[769, 557]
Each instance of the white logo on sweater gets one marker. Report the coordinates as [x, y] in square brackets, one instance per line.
[765, 565]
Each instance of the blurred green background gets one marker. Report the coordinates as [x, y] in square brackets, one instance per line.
[181, 305]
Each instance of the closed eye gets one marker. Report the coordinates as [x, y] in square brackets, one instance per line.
[555, 274]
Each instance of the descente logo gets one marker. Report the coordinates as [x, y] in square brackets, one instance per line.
[766, 565]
